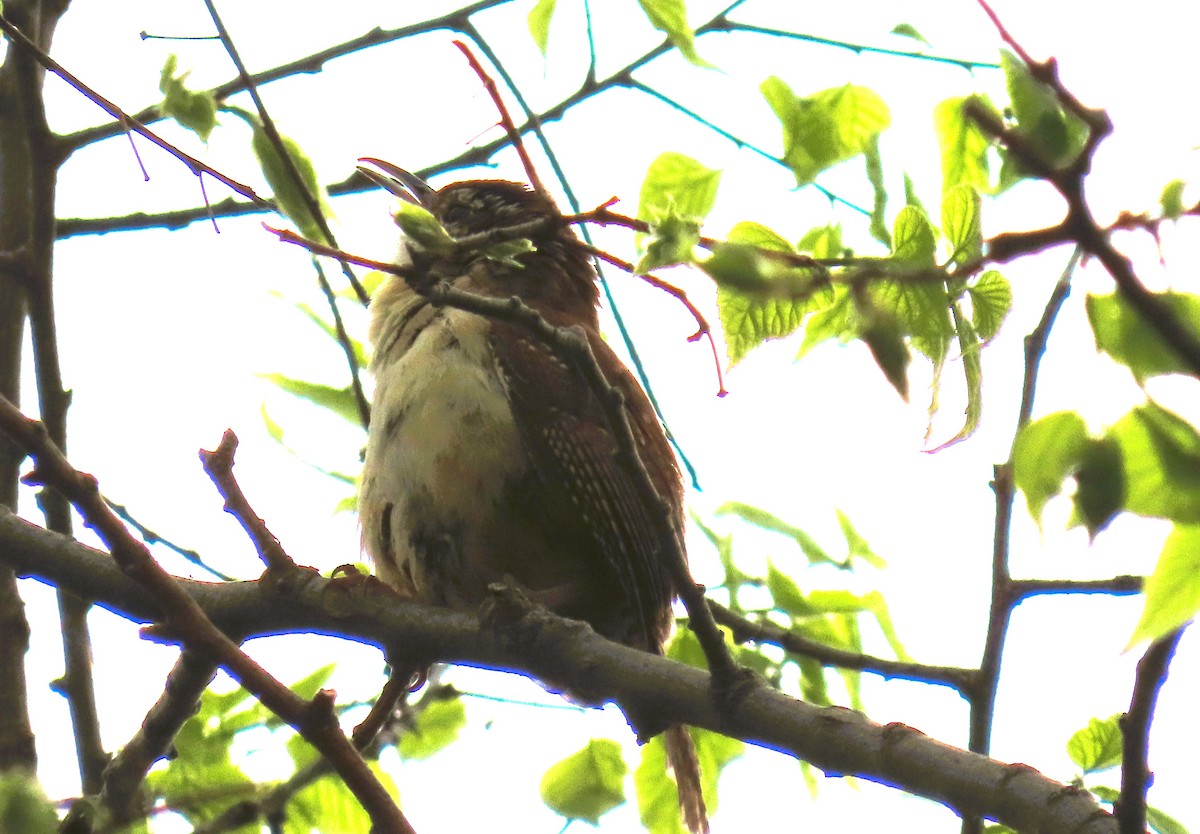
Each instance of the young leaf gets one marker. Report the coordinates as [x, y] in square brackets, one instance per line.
[24, 807]
[913, 238]
[961, 222]
[539, 23]
[1055, 134]
[881, 333]
[964, 146]
[671, 241]
[436, 728]
[767, 521]
[968, 343]
[1097, 746]
[857, 545]
[340, 401]
[878, 228]
[1044, 454]
[197, 111]
[1172, 199]
[1161, 452]
[588, 784]
[658, 800]
[421, 228]
[991, 301]
[670, 18]
[1100, 484]
[825, 128]
[1173, 589]
[750, 318]
[1123, 334]
[907, 30]
[290, 195]
[676, 185]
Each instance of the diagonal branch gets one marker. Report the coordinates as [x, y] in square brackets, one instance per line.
[183, 620]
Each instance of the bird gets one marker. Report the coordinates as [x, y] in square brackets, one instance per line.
[490, 458]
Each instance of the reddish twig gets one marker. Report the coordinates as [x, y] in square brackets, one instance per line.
[705, 329]
[219, 466]
[506, 119]
[183, 620]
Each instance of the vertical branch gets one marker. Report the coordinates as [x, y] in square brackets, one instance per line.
[1130, 809]
[30, 197]
[982, 693]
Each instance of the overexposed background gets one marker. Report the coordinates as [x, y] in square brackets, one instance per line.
[163, 334]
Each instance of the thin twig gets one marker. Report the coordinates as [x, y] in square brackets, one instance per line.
[218, 464]
[506, 119]
[196, 166]
[183, 620]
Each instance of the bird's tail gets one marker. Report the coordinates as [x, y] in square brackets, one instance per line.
[681, 757]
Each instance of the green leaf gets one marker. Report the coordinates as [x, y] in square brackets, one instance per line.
[588, 784]
[964, 146]
[910, 195]
[290, 195]
[878, 228]
[23, 806]
[658, 799]
[856, 544]
[913, 238]
[766, 521]
[327, 805]
[340, 401]
[961, 222]
[1055, 135]
[907, 30]
[724, 545]
[921, 310]
[882, 334]
[991, 301]
[823, 242]
[539, 23]
[786, 595]
[676, 185]
[1044, 454]
[1162, 464]
[670, 17]
[1172, 199]
[1123, 334]
[825, 128]
[422, 229]
[748, 318]
[436, 728]
[837, 320]
[1097, 746]
[197, 111]
[1100, 484]
[1173, 589]
[1163, 823]
[968, 342]
[671, 241]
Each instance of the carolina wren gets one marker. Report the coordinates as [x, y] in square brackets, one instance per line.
[489, 457]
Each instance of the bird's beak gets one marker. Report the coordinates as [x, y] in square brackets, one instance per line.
[395, 180]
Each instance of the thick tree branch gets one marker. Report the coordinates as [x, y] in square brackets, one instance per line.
[569, 656]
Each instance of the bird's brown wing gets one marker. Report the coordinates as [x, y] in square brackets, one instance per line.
[589, 489]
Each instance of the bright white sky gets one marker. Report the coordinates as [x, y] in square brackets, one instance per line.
[163, 333]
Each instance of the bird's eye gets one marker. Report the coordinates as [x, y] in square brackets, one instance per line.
[456, 214]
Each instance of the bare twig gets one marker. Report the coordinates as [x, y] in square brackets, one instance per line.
[763, 631]
[506, 120]
[196, 166]
[184, 621]
[219, 466]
